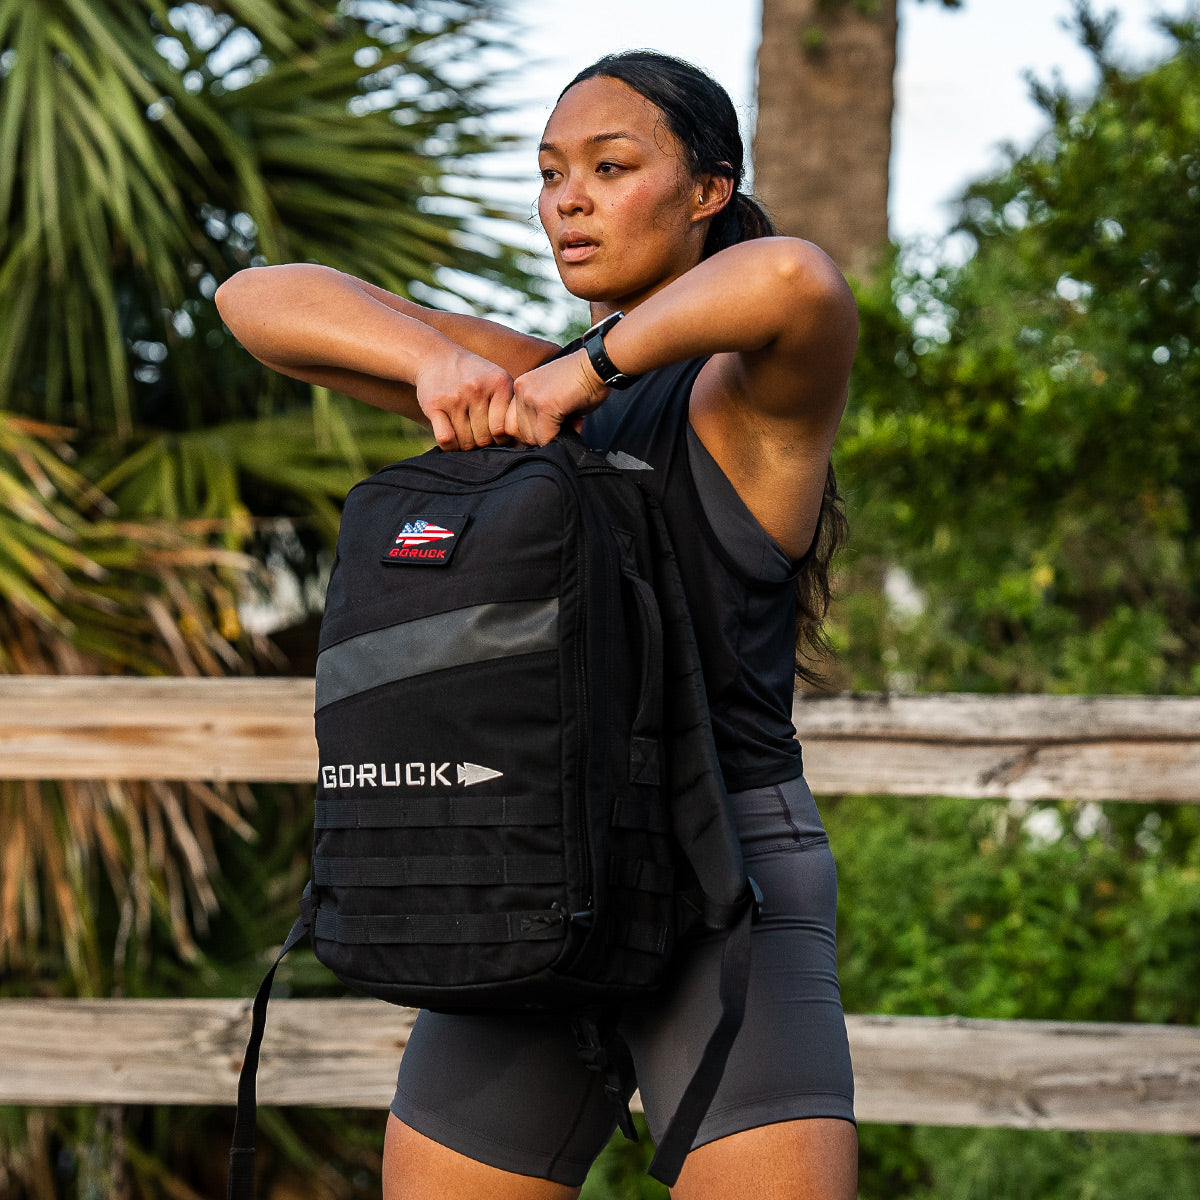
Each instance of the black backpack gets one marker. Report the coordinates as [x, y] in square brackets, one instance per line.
[519, 806]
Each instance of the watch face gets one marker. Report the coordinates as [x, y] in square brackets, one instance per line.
[603, 325]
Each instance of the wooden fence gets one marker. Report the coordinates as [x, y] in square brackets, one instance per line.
[952, 1071]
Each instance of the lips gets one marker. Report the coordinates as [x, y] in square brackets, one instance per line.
[575, 247]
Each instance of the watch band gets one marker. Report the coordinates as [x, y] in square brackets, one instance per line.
[593, 343]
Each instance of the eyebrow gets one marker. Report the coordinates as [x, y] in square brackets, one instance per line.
[596, 139]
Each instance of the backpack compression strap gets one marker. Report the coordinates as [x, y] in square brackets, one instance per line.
[725, 898]
[241, 1154]
[694, 1104]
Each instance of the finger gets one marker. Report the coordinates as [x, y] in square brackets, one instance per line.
[529, 424]
[462, 429]
[512, 420]
[481, 419]
[443, 430]
[498, 408]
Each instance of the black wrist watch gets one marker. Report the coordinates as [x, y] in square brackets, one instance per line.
[593, 343]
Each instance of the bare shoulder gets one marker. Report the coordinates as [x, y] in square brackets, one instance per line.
[795, 376]
[815, 301]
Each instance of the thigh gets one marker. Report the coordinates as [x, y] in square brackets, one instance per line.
[814, 1159]
[417, 1168]
[791, 1059]
[509, 1092]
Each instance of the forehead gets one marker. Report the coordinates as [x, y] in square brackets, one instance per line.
[600, 107]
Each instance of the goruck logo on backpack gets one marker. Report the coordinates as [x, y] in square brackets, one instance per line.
[518, 804]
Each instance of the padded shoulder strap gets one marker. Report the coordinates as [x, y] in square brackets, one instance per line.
[700, 804]
[704, 828]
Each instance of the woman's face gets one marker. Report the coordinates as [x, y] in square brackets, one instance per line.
[617, 201]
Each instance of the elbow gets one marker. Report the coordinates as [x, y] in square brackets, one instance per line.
[809, 281]
[230, 297]
[240, 294]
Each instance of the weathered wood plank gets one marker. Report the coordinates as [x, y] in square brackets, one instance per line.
[969, 715]
[1027, 1074]
[941, 1071]
[1018, 747]
[118, 728]
[1144, 748]
[1017, 770]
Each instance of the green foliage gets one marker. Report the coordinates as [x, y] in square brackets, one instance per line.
[1023, 431]
[620, 1172]
[1061, 911]
[147, 150]
[1020, 457]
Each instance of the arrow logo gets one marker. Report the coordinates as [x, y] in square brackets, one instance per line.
[470, 773]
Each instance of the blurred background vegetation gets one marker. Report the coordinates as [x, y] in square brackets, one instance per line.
[1019, 457]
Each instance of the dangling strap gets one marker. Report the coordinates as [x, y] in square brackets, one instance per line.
[603, 1050]
[735, 973]
[241, 1153]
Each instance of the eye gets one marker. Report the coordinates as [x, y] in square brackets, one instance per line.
[548, 174]
[608, 168]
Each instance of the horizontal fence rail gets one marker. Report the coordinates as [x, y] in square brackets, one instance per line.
[1143, 748]
[940, 1071]
[343, 1053]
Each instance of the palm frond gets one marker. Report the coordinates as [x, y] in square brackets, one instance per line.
[147, 150]
[84, 592]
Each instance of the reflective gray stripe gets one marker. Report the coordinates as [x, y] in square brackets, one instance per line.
[449, 639]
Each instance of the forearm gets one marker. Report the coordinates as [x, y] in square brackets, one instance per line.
[302, 316]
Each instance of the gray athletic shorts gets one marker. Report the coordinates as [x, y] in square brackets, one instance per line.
[510, 1091]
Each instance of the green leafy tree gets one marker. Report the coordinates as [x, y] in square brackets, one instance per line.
[1019, 456]
[1023, 430]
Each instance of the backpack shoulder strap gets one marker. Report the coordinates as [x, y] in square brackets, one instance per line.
[723, 897]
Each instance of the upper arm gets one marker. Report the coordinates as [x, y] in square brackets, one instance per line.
[769, 415]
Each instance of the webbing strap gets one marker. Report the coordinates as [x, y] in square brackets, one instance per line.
[697, 1096]
[641, 875]
[240, 1182]
[436, 812]
[438, 869]
[538, 925]
[650, 937]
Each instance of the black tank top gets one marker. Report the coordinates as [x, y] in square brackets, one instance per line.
[740, 584]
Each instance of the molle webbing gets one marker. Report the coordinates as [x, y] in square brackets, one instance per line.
[433, 812]
[435, 870]
[440, 929]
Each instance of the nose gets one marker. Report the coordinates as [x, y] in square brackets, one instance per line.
[574, 196]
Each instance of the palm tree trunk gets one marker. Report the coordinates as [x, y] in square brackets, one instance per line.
[824, 133]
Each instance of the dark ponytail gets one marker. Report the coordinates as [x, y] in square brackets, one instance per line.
[698, 111]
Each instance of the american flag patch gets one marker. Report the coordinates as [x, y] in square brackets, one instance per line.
[418, 533]
[426, 540]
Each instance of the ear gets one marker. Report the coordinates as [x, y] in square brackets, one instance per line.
[710, 194]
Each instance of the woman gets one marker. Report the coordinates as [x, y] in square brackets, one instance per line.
[729, 374]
